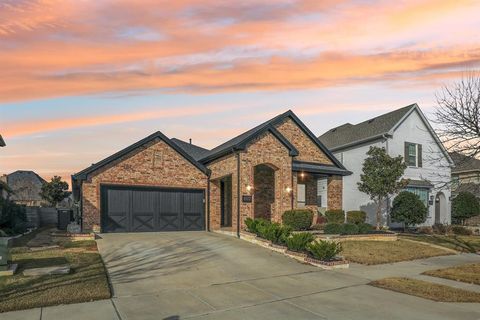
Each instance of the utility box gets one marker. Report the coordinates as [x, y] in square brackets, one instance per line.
[5, 243]
[65, 216]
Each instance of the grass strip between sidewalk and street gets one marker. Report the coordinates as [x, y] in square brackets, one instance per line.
[468, 273]
[427, 290]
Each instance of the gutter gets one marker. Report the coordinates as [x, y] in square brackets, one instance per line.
[345, 146]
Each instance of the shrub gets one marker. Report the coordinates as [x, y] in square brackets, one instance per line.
[298, 241]
[461, 231]
[299, 219]
[333, 228]
[13, 217]
[464, 206]
[439, 228]
[318, 226]
[324, 250]
[425, 230]
[256, 225]
[409, 209]
[356, 216]
[350, 228]
[276, 233]
[335, 216]
[364, 228]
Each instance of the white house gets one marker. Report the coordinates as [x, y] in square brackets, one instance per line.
[404, 132]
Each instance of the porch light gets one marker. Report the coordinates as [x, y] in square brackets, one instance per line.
[302, 175]
[288, 189]
[249, 188]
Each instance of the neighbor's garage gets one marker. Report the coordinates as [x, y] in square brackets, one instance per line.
[133, 209]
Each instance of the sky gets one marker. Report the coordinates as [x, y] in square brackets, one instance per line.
[82, 79]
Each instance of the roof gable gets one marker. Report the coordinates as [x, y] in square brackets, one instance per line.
[82, 175]
[2, 142]
[240, 142]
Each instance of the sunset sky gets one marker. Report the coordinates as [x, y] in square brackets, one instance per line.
[82, 79]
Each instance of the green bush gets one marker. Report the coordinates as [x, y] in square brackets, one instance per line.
[409, 209]
[256, 226]
[298, 241]
[324, 250]
[464, 206]
[13, 217]
[333, 228]
[299, 219]
[364, 228]
[335, 216]
[350, 228]
[439, 228]
[461, 231]
[276, 233]
[356, 216]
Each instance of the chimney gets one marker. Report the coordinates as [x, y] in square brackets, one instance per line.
[190, 140]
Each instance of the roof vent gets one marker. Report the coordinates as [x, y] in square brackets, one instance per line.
[190, 140]
[371, 120]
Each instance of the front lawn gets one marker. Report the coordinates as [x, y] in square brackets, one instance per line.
[469, 273]
[86, 282]
[427, 290]
[458, 243]
[378, 252]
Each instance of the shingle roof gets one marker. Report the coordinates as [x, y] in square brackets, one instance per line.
[348, 133]
[2, 142]
[194, 151]
[25, 184]
[464, 163]
[239, 142]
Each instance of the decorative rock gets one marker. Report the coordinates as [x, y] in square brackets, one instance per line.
[64, 269]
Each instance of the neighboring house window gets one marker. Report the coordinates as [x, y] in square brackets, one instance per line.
[422, 193]
[413, 154]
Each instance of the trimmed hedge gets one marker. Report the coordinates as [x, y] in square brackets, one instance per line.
[461, 231]
[299, 219]
[364, 228]
[333, 228]
[356, 216]
[350, 228]
[335, 216]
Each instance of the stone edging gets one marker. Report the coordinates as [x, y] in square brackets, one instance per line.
[329, 265]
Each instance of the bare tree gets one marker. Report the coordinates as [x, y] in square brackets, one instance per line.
[458, 115]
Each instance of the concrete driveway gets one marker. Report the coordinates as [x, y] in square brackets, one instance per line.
[210, 276]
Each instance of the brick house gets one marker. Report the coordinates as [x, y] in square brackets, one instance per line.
[162, 184]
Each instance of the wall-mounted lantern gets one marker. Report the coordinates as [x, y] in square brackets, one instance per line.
[249, 188]
[289, 190]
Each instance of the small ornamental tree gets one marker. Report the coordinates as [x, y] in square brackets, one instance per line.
[464, 206]
[409, 209]
[381, 177]
[54, 191]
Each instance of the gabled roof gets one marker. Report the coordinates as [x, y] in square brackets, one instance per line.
[25, 185]
[240, 142]
[2, 142]
[82, 175]
[464, 163]
[194, 151]
[349, 134]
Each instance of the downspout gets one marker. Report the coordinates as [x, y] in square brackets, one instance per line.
[81, 206]
[238, 194]
[291, 182]
[388, 199]
[208, 201]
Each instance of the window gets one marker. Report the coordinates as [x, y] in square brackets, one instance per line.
[301, 195]
[422, 193]
[413, 154]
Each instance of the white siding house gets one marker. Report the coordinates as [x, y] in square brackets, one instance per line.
[404, 132]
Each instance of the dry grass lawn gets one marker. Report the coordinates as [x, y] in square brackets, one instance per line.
[459, 243]
[469, 273]
[378, 252]
[86, 282]
[427, 290]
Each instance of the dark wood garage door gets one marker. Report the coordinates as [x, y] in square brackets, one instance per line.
[133, 209]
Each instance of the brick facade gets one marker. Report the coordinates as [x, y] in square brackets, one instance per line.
[154, 164]
[334, 190]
